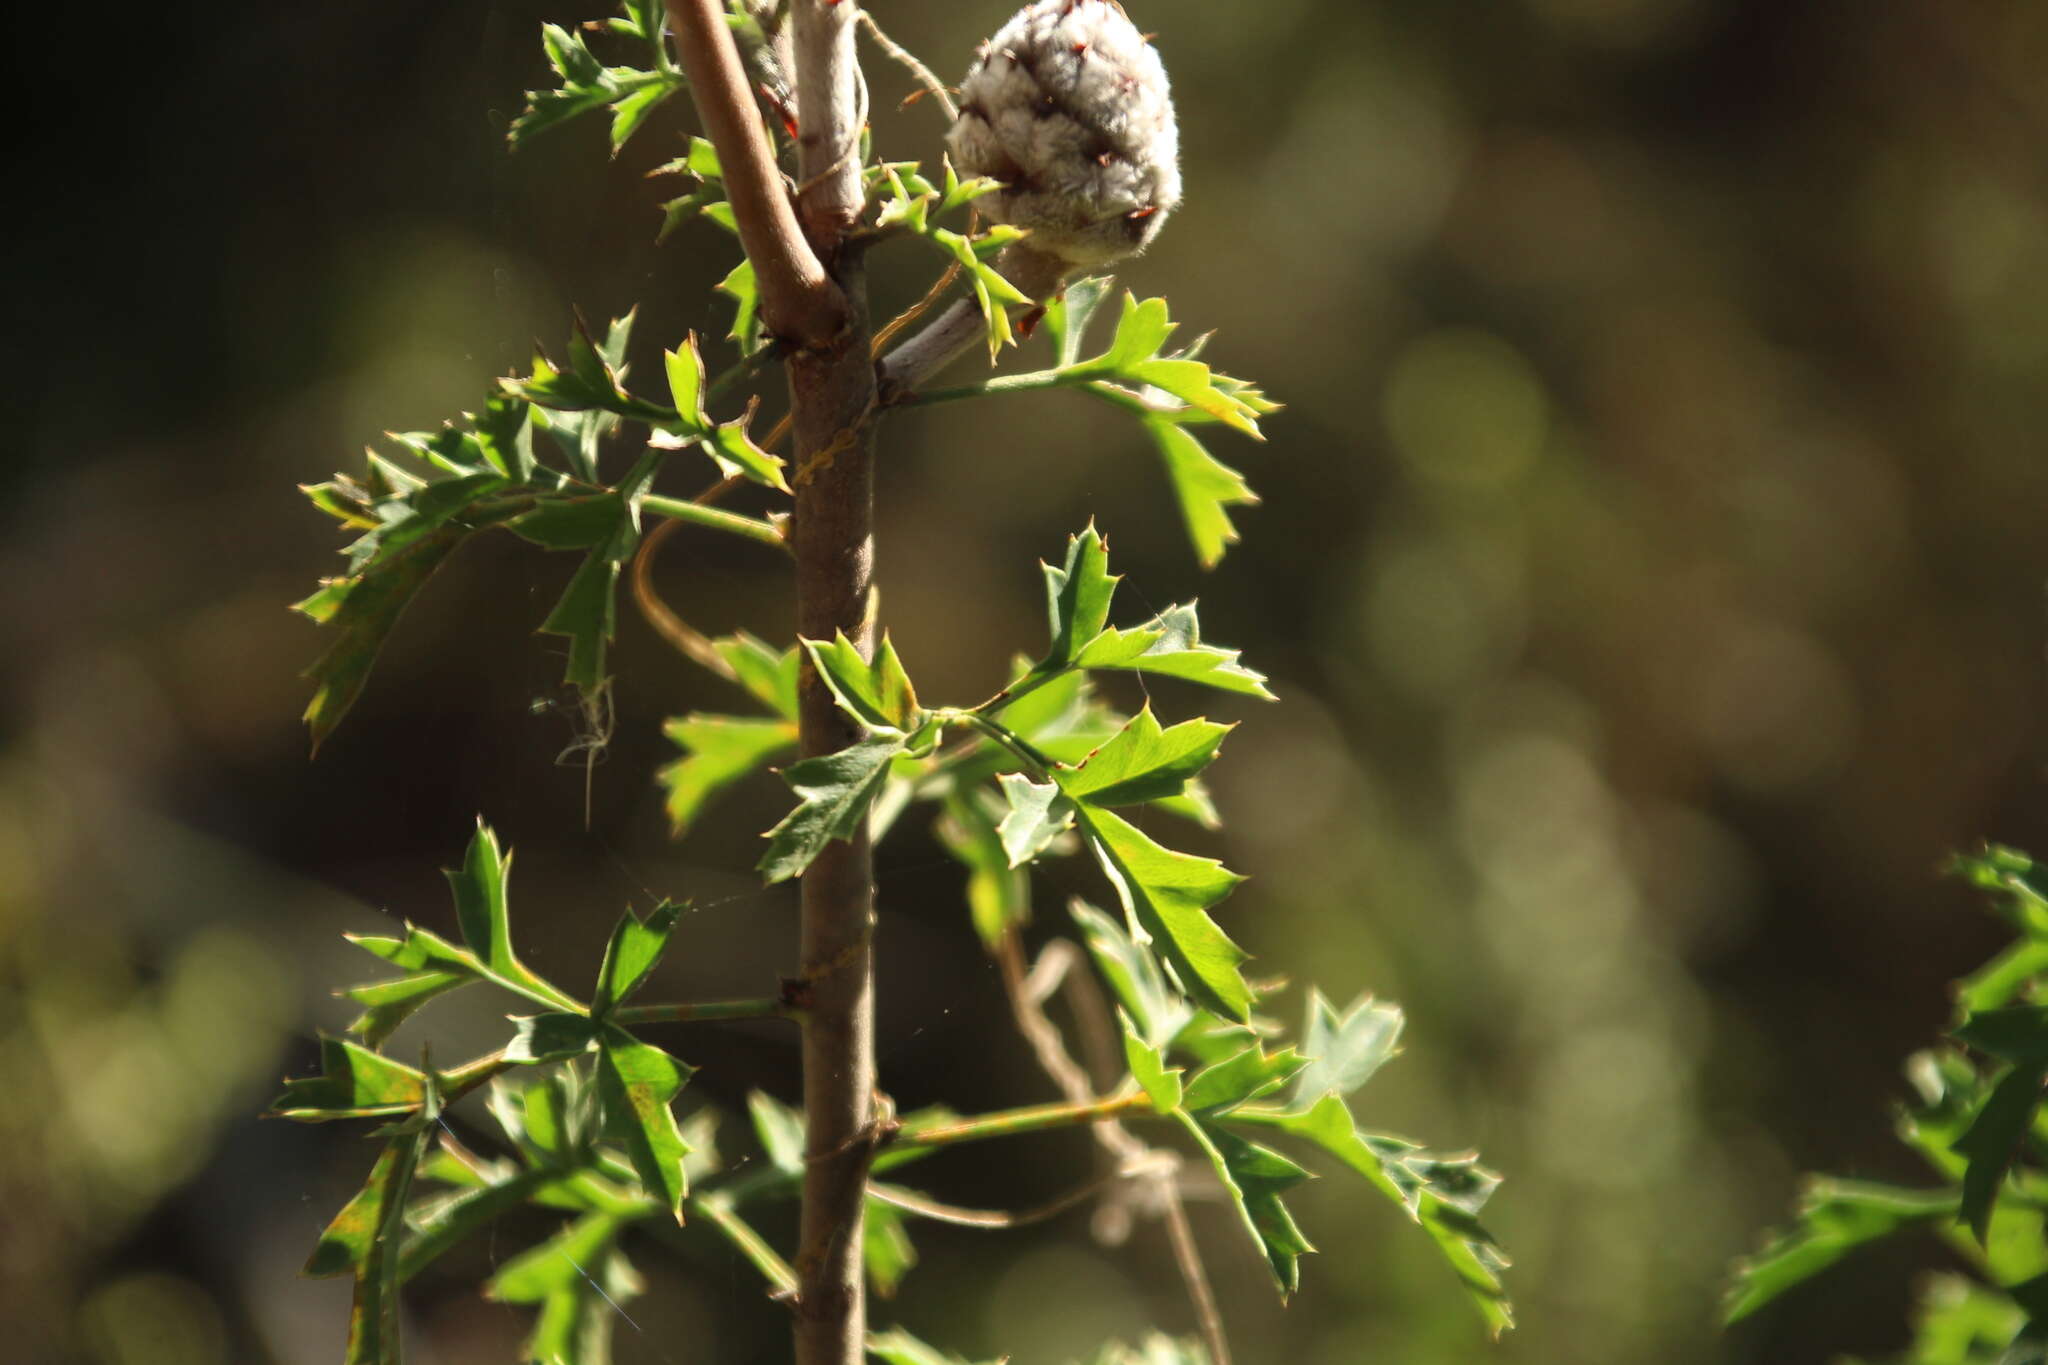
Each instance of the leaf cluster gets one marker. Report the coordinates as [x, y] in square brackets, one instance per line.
[1975, 1120]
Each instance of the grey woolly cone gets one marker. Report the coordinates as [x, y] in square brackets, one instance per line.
[1068, 106]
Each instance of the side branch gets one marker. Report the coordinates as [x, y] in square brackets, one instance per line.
[799, 301]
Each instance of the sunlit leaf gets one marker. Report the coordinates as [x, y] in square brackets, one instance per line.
[1077, 597]
[354, 1082]
[636, 1081]
[1244, 1076]
[1158, 1011]
[1344, 1050]
[1067, 317]
[482, 913]
[719, 751]
[1035, 815]
[635, 948]
[387, 1004]
[886, 1250]
[1203, 484]
[364, 1240]
[876, 693]
[1143, 762]
[834, 792]
[1255, 1177]
[1161, 1084]
[1443, 1195]
[1170, 645]
[1835, 1217]
[998, 896]
[550, 1037]
[1170, 895]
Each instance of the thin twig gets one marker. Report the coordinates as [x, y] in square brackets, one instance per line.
[916, 67]
[1188, 1256]
[798, 299]
[995, 1218]
[918, 309]
[670, 627]
[1028, 994]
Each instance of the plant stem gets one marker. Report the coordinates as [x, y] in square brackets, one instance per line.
[679, 509]
[1010, 1122]
[701, 1013]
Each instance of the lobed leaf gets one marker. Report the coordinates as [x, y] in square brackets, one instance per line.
[1036, 814]
[1142, 762]
[834, 792]
[1170, 645]
[1835, 1217]
[718, 751]
[1254, 1178]
[354, 1082]
[1442, 1195]
[1158, 1011]
[1077, 597]
[876, 693]
[482, 913]
[998, 896]
[636, 1081]
[1202, 484]
[635, 948]
[1170, 895]
[1344, 1050]
[363, 1240]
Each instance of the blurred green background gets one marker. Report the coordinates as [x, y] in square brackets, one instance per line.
[1650, 564]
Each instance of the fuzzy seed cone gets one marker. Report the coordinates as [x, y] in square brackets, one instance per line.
[1068, 107]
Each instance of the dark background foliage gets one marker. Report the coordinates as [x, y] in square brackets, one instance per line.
[1650, 566]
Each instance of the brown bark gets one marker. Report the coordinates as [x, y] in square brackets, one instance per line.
[814, 300]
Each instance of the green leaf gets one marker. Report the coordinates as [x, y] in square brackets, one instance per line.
[745, 292]
[1077, 597]
[1203, 484]
[635, 947]
[560, 1261]
[878, 694]
[1963, 1323]
[387, 1004]
[1067, 317]
[1835, 1218]
[1254, 1177]
[898, 1347]
[1148, 1068]
[1158, 1011]
[636, 1081]
[571, 523]
[1037, 814]
[1170, 645]
[588, 86]
[550, 1038]
[1170, 895]
[886, 1250]
[363, 610]
[2018, 1034]
[834, 792]
[1443, 1195]
[1241, 1077]
[1154, 1350]
[728, 445]
[998, 898]
[592, 382]
[587, 612]
[780, 1129]
[719, 751]
[1143, 762]
[1345, 1049]
[364, 1240]
[770, 676]
[485, 920]
[354, 1082]
[1134, 358]
[1994, 1139]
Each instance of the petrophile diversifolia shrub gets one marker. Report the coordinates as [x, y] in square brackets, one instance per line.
[1063, 159]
